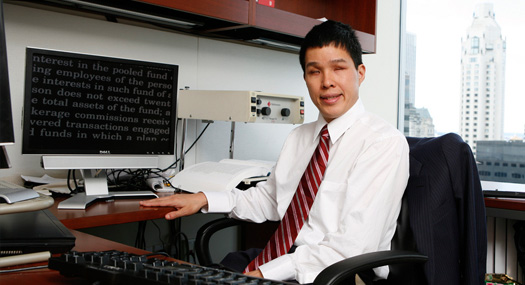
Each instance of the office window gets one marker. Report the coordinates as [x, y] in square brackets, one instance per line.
[470, 62]
[500, 174]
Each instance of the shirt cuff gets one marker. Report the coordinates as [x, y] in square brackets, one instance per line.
[281, 268]
[218, 202]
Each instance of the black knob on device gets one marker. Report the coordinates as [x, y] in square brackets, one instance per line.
[266, 111]
[285, 112]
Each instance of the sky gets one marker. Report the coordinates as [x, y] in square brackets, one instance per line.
[439, 26]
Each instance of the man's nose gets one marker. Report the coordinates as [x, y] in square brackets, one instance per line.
[327, 80]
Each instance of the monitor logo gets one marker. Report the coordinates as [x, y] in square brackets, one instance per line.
[105, 152]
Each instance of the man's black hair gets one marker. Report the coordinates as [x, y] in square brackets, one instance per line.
[332, 33]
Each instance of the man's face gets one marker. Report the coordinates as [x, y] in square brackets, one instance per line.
[332, 80]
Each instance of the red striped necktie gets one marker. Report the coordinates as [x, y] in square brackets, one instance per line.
[297, 213]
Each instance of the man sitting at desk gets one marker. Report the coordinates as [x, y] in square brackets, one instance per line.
[356, 170]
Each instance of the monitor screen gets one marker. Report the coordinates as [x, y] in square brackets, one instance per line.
[92, 112]
[89, 104]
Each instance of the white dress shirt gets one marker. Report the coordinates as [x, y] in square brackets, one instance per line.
[358, 201]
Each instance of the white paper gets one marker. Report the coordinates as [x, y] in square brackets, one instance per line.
[219, 176]
[45, 179]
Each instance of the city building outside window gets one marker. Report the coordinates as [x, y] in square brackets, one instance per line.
[462, 70]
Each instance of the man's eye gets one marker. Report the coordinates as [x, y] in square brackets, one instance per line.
[313, 72]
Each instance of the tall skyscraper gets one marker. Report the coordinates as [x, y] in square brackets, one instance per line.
[418, 122]
[410, 69]
[483, 78]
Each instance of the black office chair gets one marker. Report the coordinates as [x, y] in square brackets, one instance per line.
[441, 234]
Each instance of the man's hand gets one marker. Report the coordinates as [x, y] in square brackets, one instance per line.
[255, 273]
[184, 204]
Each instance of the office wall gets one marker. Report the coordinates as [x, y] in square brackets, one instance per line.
[204, 64]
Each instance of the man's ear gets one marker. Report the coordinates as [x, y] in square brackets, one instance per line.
[361, 70]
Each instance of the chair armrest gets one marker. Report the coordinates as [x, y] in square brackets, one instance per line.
[202, 240]
[342, 271]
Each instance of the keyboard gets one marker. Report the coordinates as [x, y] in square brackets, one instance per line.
[118, 267]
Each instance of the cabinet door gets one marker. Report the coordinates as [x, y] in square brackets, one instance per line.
[228, 10]
[297, 17]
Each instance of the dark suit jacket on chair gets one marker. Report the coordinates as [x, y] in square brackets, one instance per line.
[447, 210]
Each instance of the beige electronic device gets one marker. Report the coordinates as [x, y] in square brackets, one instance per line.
[240, 106]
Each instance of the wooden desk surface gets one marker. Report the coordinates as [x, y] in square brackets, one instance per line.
[84, 242]
[110, 212]
[119, 211]
[505, 203]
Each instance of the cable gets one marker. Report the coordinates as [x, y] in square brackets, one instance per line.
[140, 240]
[71, 172]
[23, 269]
[160, 236]
[174, 164]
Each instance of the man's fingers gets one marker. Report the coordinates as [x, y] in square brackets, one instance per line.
[172, 215]
[163, 201]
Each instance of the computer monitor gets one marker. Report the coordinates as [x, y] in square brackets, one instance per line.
[7, 135]
[93, 112]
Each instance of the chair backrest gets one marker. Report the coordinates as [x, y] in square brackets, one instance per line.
[442, 215]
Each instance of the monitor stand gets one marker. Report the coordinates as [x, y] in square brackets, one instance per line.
[97, 188]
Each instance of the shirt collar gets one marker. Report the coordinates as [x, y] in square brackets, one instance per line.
[338, 126]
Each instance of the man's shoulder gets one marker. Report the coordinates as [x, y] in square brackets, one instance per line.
[378, 126]
[305, 128]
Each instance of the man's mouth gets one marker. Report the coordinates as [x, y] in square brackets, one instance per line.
[330, 99]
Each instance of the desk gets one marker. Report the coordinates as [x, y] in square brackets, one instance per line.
[119, 211]
[111, 212]
[513, 209]
[84, 242]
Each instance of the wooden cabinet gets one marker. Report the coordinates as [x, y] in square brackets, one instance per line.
[235, 11]
[298, 17]
[286, 23]
[282, 26]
